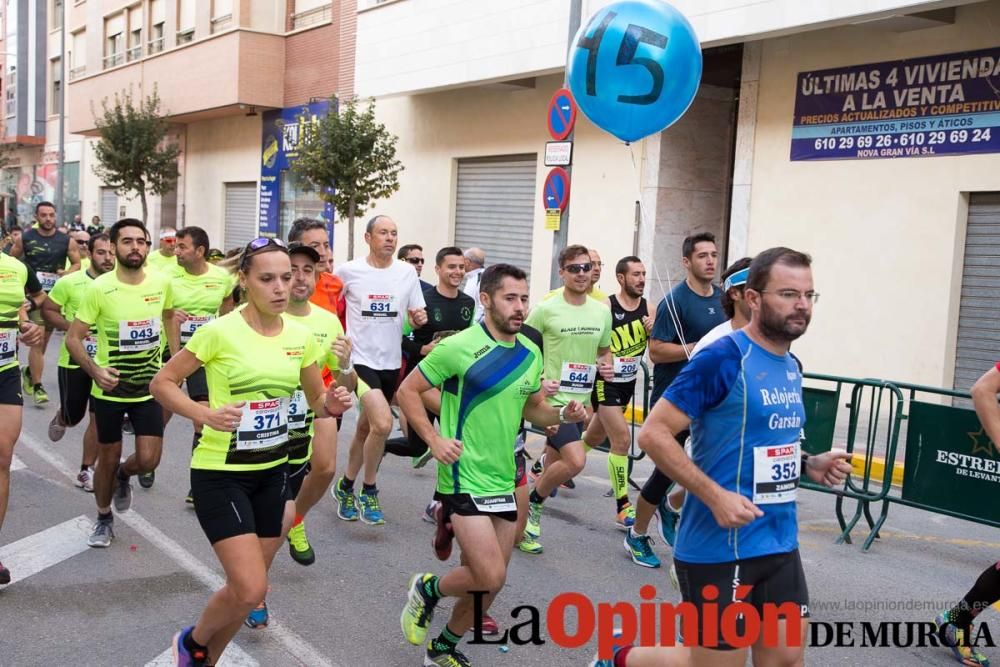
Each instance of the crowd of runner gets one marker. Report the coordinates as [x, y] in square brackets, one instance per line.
[264, 349]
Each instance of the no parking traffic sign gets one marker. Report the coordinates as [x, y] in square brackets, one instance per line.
[555, 193]
[562, 114]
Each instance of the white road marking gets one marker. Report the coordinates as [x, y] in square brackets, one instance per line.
[34, 553]
[233, 656]
[17, 464]
[297, 647]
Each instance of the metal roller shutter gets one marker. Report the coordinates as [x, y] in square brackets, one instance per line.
[241, 214]
[978, 324]
[109, 207]
[495, 207]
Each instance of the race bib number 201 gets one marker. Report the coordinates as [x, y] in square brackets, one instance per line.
[626, 368]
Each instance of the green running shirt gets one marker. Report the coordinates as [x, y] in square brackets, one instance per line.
[571, 336]
[199, 296]
[68, 293]
[325, 327]
[263, 371]
[484, 386]
[129, 323]
[13, 277]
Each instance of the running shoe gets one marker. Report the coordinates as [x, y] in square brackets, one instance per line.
[146, 479]
[597, 662]
[667, 519]
[39, 394]
[955, 639]
[533, 529]
[443, 536]
[184, 657]
[489, 626]
[103, 534]
[85, 480]
[530, 546]
[568, 484]
[56, 429]
[537, 468]
[257, 619]
[371, 511]
[347, 508]
[123, 492]
[26, 382]
[418, 611]
[189, 498]
[428, 513]
[639, 547]
[626, 518]
[673, 575]
[298, 545]
[452, 658]
[4, 575]
[422, 460]
[127, 426]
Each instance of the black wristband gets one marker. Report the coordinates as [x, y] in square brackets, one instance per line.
[805, 459]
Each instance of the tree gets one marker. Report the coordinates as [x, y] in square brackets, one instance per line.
[133, 155]
[351, 158]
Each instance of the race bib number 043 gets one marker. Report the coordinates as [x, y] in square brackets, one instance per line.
[138, 335]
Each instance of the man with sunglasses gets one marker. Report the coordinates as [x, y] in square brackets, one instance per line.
[81, 239]
[595, 276]
[576, 333]
[165, 257]
[381, 293]
[413, 254]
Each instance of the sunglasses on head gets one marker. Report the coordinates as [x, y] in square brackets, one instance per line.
[259, 244]
[579, 268]
[415, 260]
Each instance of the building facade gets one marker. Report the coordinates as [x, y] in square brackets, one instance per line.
[905, 248]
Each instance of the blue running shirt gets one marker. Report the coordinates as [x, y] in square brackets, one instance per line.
[747, 416]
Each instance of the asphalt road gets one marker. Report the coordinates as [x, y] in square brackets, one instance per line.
[72, 605]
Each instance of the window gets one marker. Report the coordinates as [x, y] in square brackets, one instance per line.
[114, 46]
[55, 90]
[222, 15]
[185, 21]
[299, 198]
[57, 14]
[156, 23]
[311, 12]
[78, 55]
[135, 33]
[10, 97]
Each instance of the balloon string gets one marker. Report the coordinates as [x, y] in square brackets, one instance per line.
[668, 295]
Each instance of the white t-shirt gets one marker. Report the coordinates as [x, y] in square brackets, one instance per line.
[378, 301]
[715, 334]
[472, 289]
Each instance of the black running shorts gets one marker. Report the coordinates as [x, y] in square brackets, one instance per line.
[230, 503]
[74, 394]
[146, 418]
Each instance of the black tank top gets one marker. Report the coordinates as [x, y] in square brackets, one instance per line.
[628, 335]
[45, 253]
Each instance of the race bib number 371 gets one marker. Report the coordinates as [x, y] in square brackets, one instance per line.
[264, 424]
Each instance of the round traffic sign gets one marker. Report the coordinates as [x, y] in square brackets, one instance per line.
[562, 114]
[555, 193]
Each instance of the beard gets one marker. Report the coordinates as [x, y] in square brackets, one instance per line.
[131, 261]
[504, 325]
[635, 292]
[779, 328]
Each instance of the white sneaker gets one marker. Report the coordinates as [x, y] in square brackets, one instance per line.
[85, 480]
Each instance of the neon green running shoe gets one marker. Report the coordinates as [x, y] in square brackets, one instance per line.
[298, 545]
[533, 528]
[418, 612]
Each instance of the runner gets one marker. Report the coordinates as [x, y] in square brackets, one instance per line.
[201, 292]
[81, 238]
[595, 276]
[413, 254]
[631, 326]
[329, 288]
[742, 397]
[667, 510]
[45, 250]
[576, 330]
[475, 261]
[379, 289]
[165, 257]
[14, 326]
[957, 621]
[59, 311]
[490, 376]
[127, 307]
[448, 312]
[254, 359]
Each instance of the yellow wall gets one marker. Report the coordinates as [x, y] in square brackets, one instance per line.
[437, 129]
[887, 235]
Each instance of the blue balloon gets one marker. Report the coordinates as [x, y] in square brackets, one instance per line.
[634, 67]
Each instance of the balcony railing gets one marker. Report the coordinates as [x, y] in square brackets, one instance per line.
[133, 53]
[221, 23]
[313, 16]
[185, 36]
[155, 45]
[113, 60]
[77, 72]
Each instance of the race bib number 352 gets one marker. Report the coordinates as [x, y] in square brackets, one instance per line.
[138, 335]
[775, 473]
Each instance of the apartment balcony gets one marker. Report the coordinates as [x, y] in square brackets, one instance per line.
[217, 76]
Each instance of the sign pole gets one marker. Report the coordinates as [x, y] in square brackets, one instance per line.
[561, 236]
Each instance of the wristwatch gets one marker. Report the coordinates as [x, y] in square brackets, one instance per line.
[562, 414]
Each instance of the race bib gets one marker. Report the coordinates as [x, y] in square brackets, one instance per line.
[577, 378]
[138, 335]
[297, 409]
[380, 306]
[192, 324]
[776, 473]
[48, 280]
[264, 424]
[8, 345]
[626, 369]
[90, 345]
[494, 504]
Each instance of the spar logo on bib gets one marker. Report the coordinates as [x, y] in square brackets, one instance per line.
[152, 298]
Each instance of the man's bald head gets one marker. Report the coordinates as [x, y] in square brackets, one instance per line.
[475, 258]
